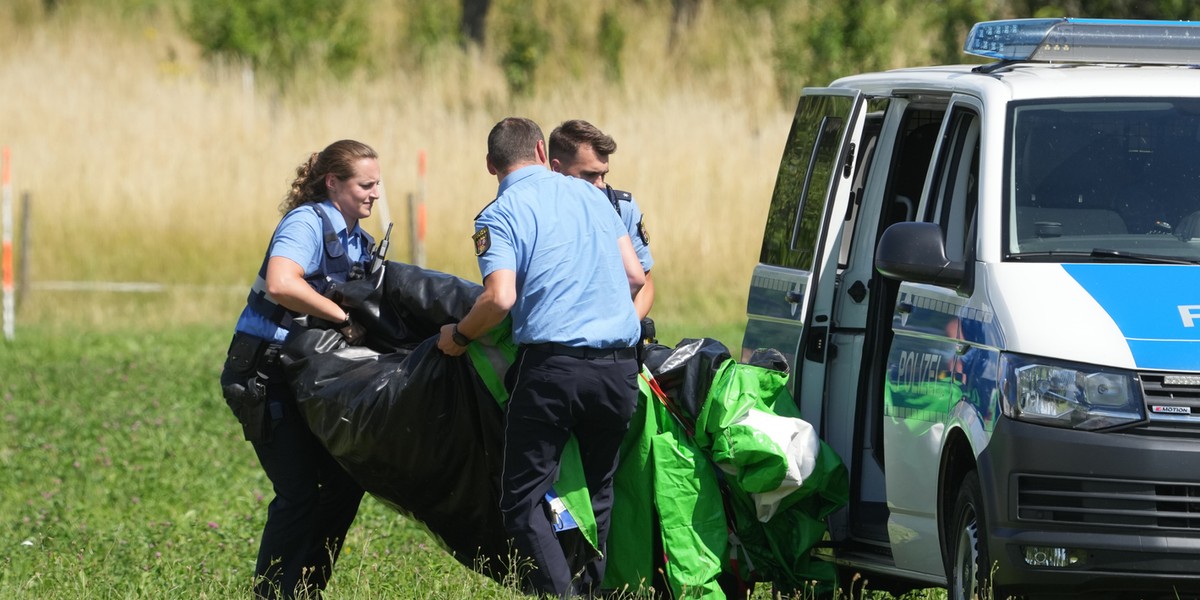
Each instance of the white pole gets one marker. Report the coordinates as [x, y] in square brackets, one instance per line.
[6, 249]
[385, 213]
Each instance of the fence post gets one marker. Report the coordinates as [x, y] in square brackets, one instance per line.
[416, 215]
[23, 254]
[6, 259]
[385, 211]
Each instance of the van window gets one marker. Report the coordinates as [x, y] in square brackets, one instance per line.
[957, 190]
[1089, 179]
[872, 126]
[914, 152]
[802, 185]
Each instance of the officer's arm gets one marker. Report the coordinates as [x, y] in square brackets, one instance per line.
[645, 297]
[490, 308]
[633, 266]
[286, 284]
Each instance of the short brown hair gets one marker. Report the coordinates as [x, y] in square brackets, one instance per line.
[512, 141]
[566, 139]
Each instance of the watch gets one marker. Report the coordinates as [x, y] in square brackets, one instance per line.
[458, 337]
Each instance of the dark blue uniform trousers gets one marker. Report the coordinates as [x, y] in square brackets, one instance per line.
[315, 503]
[553, 396]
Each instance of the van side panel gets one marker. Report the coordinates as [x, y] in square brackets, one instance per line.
[942, 375]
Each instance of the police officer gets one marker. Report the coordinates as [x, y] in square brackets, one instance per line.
[317, 243]
[579, 149]
[554, 253]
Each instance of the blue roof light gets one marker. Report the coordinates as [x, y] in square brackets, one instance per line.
[1087, 40]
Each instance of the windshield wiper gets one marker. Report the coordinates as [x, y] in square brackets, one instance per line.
[1141, 258]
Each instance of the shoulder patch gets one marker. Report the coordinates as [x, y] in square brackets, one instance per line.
[641, 227]
[483, 241]
[622, 195]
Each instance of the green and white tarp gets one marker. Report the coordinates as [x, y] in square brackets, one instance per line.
[721, 484]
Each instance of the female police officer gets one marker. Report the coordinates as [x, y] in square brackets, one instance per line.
[316, 244]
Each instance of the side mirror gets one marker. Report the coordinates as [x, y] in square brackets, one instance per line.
[911, 251]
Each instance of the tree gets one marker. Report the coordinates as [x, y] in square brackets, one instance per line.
[277, 36]
[474, 16]
[683, 13]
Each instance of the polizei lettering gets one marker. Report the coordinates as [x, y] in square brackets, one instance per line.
[1190, 314]
[917, 370]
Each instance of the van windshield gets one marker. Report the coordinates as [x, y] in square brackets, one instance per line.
[1104, 180]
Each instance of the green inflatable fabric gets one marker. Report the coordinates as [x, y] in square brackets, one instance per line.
[708, 511]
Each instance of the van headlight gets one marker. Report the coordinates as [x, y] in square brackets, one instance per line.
[1072, 395]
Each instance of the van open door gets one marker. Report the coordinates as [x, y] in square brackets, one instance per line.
[789, 303]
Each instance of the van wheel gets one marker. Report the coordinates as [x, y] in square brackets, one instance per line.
[966, 570]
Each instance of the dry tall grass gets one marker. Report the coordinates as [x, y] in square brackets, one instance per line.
[144, 163]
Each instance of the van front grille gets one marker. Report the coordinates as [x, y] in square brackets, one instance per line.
[1108, 502]
[1172, 403]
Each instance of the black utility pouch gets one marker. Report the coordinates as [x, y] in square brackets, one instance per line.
[649, 336]
[249, 404]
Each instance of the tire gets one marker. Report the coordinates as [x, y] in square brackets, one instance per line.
[967, 562]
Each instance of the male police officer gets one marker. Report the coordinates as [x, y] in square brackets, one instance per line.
[553, 252]
[579, 149]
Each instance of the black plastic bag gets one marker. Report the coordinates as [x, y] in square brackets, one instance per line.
[414, 427]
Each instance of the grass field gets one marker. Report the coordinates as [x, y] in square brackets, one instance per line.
[124, 474]
[126, 477]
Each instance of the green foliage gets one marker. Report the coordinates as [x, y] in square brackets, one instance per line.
[956, 17]
[829, 40]
[772, 7]
[611, 42]
[277, 37]
[525, 48]
[431, 24]
[1108, 9]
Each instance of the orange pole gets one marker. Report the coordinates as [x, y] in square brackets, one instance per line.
[421, 223]
[419, 243]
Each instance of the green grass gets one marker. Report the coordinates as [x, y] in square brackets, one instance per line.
[125, 476]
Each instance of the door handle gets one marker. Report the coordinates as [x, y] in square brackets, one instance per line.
[794, 297]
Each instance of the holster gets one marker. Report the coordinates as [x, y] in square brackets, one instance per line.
[249, 404]
[648, 337]
[244, 384]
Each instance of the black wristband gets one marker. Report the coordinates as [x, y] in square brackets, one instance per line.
[346, 323]
[458, 337]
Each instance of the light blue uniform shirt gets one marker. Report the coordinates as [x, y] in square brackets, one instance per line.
[559, 235]
[631, 214]
[298, 237]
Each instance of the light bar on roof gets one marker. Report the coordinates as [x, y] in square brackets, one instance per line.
[1087, 40]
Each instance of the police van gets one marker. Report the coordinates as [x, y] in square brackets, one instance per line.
[986, 279]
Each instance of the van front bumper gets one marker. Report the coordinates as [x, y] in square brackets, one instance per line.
[1125, 505]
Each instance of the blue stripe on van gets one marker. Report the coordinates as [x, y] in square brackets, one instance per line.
[1156, 307]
